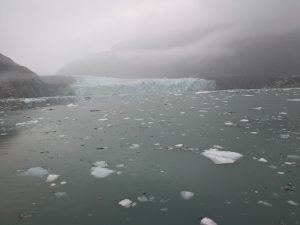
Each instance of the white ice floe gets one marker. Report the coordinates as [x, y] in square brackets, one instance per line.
[145, 198]
[293, 99]
[293, 157]
[27, 123]
[207, 221]
[127, 203]
[221, 157]
[284, 136]
[262, 160]
[60, 194]
[265, 203]
[179, 146]
[120, 165]
[258, 108]
[99, 171]
[63, 182]
[187, 195]
[52, 177]
[134, 146]
[35, 172]
[228, 123]
[71, 105]
[291, 202]
[244, 120]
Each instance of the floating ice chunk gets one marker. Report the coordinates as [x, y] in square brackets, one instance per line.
[103, 119]
[99, 171]
[244, 120]
[101, 164]
[60, 194]
[293, 99]
[228, 123]
[53, 185]
[120, 165]
[262, 160]
[218, 146]
[265, 203]
[258, 108]
[281, 173]
[36, 172]
[187, 195]
[284, 136]
[145, 198]
[221, 157]
[63, 182]
[293, 156]
[179, 146]
[253, 132]
[291, 202]
[283, 113]
[134, 146]
[207, 221]
[127, 203]
[27, 123]
[52, 177]
[71, 105]
[164, 209]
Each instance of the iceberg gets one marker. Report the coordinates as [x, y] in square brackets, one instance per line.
[221, 157]
[99, 171]
[186, 195]
[35, 172]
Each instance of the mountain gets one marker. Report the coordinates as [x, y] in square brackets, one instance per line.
[19, 81]
[247, 62]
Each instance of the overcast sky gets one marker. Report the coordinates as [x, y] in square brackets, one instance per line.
[44, 35]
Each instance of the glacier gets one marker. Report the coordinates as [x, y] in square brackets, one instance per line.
[93, 85]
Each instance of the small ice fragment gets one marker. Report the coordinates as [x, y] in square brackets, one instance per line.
[127, 203]
[99, 171]
[100, 164]
[63, 182]
[145, 198]
[179, 146]
[281, 173]
[103, 119]
[265, 203]
[120, 165]
[293, 99]
[134, 146]
[53, 185]
[262, 160]
[217, 146]
[284, 136]
[207, 221]
[36, 172]
[164, 209]
[221, 157]
[253, 132]
[71, 105]
[258, 108]
[228, 123]
[52, 177]
[244, 120]
[291, 202]
[293, 156]
[187, 195]
[60, 194]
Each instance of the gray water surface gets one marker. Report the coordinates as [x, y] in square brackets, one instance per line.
[137, 136]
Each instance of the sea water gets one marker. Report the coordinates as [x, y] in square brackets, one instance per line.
[152, 157]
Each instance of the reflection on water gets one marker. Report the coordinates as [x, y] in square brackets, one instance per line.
[138, 159]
